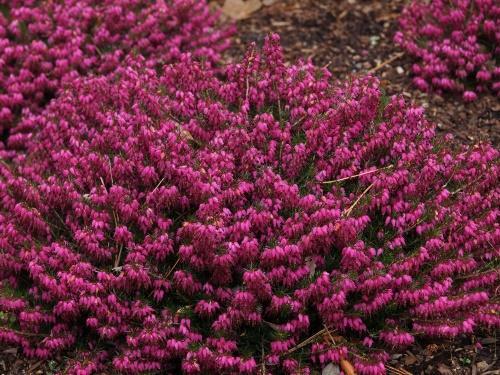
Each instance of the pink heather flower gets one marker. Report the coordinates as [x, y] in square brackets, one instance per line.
[44, 46]
[469, 96]
[396, 338]
[174, 218]
[368, 342]
[453, 42]
[206, 308]
[369, 368]
[247, 366]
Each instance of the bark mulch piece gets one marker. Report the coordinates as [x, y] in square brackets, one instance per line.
[355, 36]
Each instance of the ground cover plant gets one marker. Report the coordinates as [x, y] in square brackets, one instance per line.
[272, 220]
[456, 44]
[46, 44]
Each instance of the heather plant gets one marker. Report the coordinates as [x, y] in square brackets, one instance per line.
[46, 44]
[268, 221]
[456, 44]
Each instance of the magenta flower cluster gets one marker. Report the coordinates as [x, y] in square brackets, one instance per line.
[269, 220]
[46, 44]
[456, 44]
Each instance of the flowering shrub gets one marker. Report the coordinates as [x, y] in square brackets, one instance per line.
[456, 43]
[44, 44]
[272, 220]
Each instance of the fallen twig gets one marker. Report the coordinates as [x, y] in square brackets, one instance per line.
[381, 65]
[305, 342]
[173, 267]
[397, 371]
[349, 210]
[356, 175]
[34, 366]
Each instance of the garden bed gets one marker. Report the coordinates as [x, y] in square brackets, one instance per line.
[350, 38]
[355, 36]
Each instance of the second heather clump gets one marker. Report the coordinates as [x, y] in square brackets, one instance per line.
[456, 44]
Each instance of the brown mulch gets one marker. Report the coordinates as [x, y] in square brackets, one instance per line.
[13, 363]
[449, 358]
[355, 36]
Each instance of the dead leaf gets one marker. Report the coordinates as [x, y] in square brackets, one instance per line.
[186, 135]
[311, 265]
[240, 9]
[331, 369]
[482, 366]
[431, 349]
[444, 370]
[274, 326]
[387, 17]
[12, 351]
[279, 23]
[347, 367]
[410, 359]
[34, 366]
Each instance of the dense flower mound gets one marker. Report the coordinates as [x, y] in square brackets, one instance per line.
[269, 221]
[456, 43]
[44, 44]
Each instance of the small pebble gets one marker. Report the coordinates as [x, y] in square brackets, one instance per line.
[374, 39]
[400, 70]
